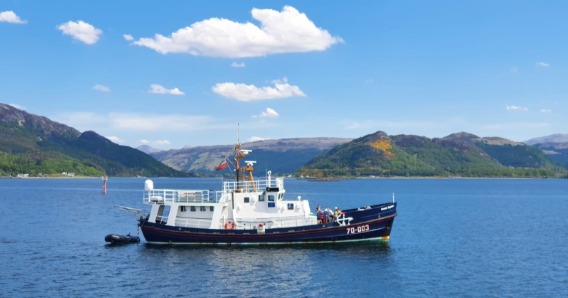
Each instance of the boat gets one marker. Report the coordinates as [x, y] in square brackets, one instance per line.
[116, 239]
[254, 211]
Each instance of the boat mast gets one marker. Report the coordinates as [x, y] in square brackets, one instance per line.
[239, 155]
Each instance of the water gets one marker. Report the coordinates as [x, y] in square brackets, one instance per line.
[453, 237]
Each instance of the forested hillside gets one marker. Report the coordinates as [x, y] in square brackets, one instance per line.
[460, 154]
[37, 146]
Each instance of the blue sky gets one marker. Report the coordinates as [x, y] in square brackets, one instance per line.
[183, 73]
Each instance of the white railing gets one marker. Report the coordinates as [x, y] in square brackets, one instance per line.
[161, 196]
[249, 186]
[271, 223]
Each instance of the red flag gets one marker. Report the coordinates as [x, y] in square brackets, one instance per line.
[222, 165]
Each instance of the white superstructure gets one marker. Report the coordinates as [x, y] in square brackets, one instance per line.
[250, 204]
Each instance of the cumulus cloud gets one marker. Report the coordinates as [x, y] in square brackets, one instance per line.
[243, 92]
[516, 108]
[542, 64]
[268, 113]
[101, 88]
[159, 89]
[11, 17]
[128, 37]
[81, 31]
[545, 110]
[238, 64]
[116, 140]
[286, 31]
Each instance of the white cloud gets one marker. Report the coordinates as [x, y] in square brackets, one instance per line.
[238, 64]
[256, 139]
[159, 89]
[287, 31]
[128, 37]
[101, 88]
[245, 92]
[140, 122]
[156, 143]
[545, 110]
[81, 31]
[116, 140]
[516, 108]
[162, 142]
[268, 113]
[82, 120]
[542, 64]
[126, 122]
[11, 17]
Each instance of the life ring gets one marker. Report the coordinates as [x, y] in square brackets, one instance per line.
[229, 225]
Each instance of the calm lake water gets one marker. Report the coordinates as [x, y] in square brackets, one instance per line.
[452, 237]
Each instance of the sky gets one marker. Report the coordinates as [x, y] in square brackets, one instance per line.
[171, 74]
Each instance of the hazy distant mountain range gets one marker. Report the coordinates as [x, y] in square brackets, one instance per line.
[283, 156]
[36, 145]
[554, 146]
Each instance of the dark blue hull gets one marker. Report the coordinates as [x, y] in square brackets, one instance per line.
[371, 223]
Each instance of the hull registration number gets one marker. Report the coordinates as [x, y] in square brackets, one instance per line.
[358, 229]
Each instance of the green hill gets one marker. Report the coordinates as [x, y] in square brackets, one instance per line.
[459, 154]
[35, 145]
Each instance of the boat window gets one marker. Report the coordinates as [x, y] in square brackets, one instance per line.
[261, 198]
[271, 204]
[247, 199]
[271, 198]
[211, 208]
[290, 206]
[280, 197]
[192, 208]
[202, 208]
[183, 209]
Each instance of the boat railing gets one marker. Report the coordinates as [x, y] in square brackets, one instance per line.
[250, 186]
[283, 222]
[342, 220]
[161, 196]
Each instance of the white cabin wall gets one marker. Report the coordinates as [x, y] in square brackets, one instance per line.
[172, 215]
[221, 211]
[155, 212]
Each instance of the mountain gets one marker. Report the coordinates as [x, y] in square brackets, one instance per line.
[459, 154]
[282, 156]
[148, 149]
[36, 145]
[549, 140]
[554, 146]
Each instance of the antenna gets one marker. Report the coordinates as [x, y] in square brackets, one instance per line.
[238, 133]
